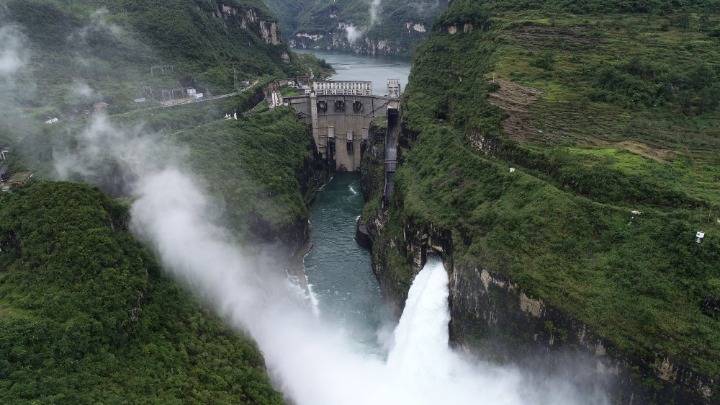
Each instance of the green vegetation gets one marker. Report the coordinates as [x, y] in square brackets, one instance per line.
[600, 114]
[83, 52]
[86, 315]
[255, 166]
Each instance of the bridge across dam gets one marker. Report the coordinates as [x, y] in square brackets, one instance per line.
[341, 113]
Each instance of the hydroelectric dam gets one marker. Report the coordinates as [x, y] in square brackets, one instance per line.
[341, 114]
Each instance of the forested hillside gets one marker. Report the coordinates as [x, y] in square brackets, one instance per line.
[569, 153]
[86, 315]
[360, 26]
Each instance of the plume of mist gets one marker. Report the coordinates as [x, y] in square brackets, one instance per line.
[12, 54]
[82, 91]
[313, 362]
[353, 34]
[114, 158]
[99, 24]
[14, 61]
[374, 11]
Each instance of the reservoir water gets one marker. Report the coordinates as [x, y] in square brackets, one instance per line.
[374, 69]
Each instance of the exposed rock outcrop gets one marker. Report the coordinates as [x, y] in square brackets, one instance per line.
[250, 19]
[340, 40]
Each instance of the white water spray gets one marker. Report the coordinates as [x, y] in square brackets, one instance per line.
[352, 33]
[313, 362]
[421, 337]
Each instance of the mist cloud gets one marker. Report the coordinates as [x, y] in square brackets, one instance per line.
[80, 90]
[374, 10]
[12, 54]
[14, 61]
[353, 34]
[312, 361]
[99, 23]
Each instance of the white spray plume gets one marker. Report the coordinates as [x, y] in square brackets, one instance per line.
[14, 63]
[80, 90]
[313, 362]
[99, 22]
[12, 56]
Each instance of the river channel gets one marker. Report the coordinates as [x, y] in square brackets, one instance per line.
[338, 270]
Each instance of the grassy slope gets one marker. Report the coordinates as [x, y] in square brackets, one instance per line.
[86, 315]
[561, 225]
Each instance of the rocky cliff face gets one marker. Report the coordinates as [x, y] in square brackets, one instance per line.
[489, 310]
[347, 38]
[250, 19]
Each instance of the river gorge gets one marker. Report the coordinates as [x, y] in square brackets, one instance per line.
[412, 355]
[261, 202]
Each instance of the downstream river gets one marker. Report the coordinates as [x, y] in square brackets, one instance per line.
[338, 270]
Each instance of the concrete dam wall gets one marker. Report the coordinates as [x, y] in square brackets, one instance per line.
[340, 123]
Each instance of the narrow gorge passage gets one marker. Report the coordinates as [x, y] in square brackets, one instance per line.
[518, 203]
[338, 270]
